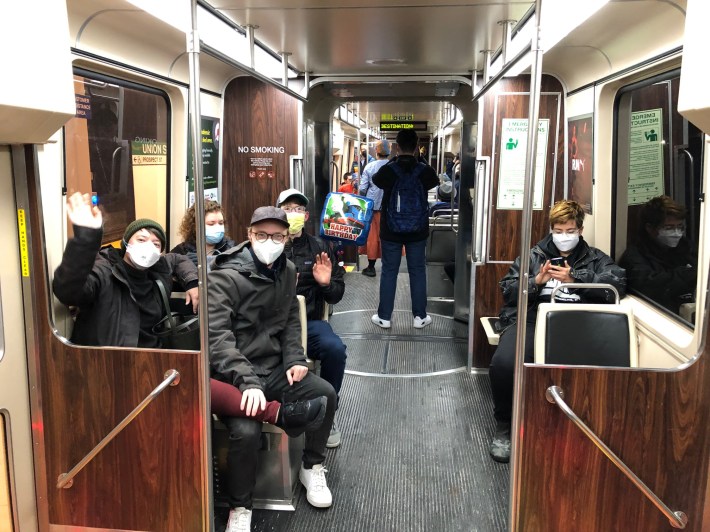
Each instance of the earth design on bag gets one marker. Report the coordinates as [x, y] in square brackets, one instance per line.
[346, 217]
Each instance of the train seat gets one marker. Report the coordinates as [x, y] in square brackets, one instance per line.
[279, 455]
[489, 326]
[586, 334]
[441, 249]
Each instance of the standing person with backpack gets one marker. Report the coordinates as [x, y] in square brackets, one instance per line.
[404, 222]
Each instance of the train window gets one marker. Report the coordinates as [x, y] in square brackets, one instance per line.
[658, 184]
[117, 149]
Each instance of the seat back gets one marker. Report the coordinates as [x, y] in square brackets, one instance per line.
[586, 333]
[441, 249]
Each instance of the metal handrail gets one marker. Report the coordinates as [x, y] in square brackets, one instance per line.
[555, 395]
[66, 480]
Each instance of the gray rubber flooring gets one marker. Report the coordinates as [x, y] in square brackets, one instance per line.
[415, 425]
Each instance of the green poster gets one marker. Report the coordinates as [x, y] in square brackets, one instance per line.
[511, 180]
[210, 134]
[645, 156]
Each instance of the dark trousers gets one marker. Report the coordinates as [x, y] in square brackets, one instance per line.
[326, 346]
[245, 433]
[416, 265]
[502, 370]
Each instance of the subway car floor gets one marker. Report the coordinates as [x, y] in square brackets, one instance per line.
[415, 428]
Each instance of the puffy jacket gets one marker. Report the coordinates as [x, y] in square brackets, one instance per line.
[108, 312]
[302, 252]
[254, 323]
[589, 265]
[666, 275]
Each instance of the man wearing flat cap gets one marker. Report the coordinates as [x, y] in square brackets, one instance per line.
[115, 290]
[255, 345]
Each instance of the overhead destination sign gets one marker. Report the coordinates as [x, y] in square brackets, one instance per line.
[416, 125]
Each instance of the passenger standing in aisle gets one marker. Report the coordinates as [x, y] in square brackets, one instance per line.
[404, 222]
[255, 344]
[372, 191]
[320, 281]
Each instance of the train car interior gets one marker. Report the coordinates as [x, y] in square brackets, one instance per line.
[148, 105]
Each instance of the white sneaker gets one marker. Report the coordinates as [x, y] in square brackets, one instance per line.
[334, 437]
[385, 324]
[239, 520]
[317, 492]
[420, 323]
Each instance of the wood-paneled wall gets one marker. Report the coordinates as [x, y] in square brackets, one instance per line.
[255, 115]
[511, 101]
[150, 476]
[656, 422]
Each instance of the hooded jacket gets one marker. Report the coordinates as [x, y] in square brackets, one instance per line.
[589, 265]
[108, 312]
[255, 327]
[302, 252]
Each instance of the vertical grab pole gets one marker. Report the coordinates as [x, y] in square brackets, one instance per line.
[530, 158]
[193, 54]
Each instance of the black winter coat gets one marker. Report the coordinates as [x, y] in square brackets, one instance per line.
[108, 313]
[255, 326]
[302, 251]
[589, 265]
[666, 275]
[189, 249]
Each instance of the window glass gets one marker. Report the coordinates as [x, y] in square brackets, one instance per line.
[657, 179]
[117, 148]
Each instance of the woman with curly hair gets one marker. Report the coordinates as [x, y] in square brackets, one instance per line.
[215, 240]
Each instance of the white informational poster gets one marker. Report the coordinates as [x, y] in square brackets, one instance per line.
[645, 156]
[511, 179]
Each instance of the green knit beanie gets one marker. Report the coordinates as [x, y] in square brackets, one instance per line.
[144, 223]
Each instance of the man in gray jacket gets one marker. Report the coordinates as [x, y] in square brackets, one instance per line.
[255, 344]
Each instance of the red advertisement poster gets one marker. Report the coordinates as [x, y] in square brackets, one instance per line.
[580, 151]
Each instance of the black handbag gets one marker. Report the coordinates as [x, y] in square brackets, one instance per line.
[175, 330]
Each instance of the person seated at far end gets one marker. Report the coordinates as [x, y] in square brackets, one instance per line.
[216, 241]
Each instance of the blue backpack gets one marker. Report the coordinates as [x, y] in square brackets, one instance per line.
[408, 209]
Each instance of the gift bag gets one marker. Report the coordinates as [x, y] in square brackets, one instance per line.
[175, 330]
[346, 218]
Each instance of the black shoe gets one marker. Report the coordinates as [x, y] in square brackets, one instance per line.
[370, 272]
[296, 418]
[500, 446]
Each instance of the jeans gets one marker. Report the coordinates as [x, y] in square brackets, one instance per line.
[416, 265]
[245, 433]
[326, 346]
[502, 370]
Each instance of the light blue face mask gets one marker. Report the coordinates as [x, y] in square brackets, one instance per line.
[214, 233]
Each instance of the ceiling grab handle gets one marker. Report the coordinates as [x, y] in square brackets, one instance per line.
[66, 480]
[555, 395]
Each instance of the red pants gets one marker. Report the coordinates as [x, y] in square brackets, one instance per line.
[373, 247]
[227, 399]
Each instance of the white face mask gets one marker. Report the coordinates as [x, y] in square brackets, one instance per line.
[267, 252]
[670, 237]
[565, 242]
[214, 233]
[143, 254]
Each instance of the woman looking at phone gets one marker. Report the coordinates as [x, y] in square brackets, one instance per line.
[561, 257]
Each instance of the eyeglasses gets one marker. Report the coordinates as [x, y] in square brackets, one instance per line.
[276, 238]
[294, 209]
[569, 232]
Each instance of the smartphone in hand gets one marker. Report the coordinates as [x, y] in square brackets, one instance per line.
[558, 261]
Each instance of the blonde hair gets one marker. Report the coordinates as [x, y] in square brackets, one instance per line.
[565, 210]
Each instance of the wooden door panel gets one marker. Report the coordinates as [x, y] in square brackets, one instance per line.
[656, 422]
